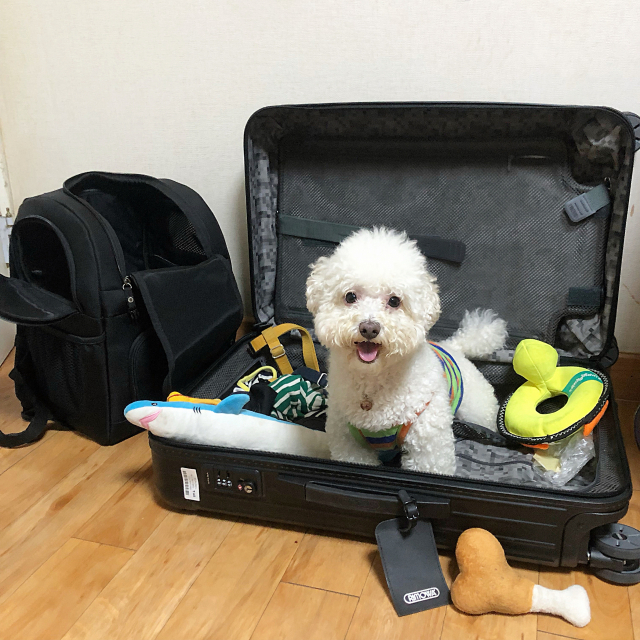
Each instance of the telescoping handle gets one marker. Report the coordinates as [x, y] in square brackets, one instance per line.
[430, 507]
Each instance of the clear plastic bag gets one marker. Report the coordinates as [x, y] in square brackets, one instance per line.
[572, 453]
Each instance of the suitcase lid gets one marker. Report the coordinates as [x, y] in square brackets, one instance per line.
[494, 194]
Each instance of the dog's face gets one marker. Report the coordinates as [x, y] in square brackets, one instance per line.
[373, 298]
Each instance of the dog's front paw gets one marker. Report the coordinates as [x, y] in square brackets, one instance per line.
[356, 456]
[445, 465]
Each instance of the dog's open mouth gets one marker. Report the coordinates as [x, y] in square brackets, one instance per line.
[367, 351]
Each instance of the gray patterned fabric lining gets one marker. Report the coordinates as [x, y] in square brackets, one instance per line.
[581, 337]
[263, 189]
[602, 149]
[502, 355]
[601, 142]
[477, 461]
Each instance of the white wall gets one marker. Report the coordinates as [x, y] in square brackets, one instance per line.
[7, 330]
[165, 86]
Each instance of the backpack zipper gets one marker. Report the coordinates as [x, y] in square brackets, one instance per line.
[118, 254]
[127, 287]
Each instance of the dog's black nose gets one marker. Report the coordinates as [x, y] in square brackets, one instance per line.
[369, 329]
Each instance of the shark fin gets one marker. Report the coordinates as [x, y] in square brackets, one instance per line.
[232, 403]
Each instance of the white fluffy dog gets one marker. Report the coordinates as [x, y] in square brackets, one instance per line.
[373, 302]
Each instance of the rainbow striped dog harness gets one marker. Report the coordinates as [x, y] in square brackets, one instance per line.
[387, 443]
[452, 376]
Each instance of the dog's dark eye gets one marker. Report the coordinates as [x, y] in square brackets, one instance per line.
[350, 297]
[394, 302]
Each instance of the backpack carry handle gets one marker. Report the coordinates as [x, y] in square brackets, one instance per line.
[25, 303]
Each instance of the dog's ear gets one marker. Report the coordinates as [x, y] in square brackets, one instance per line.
[428, 301]
[317, 284]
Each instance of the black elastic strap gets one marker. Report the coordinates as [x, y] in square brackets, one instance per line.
[478, 433]
[310, 375]
[431, 246]
[584, 297]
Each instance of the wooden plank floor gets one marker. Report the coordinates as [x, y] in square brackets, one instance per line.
[86, 552]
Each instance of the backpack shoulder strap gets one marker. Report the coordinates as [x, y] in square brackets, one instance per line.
[38, 424]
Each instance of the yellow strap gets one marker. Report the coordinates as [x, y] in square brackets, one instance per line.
[269, 337]
[174, 396]
[243, 382]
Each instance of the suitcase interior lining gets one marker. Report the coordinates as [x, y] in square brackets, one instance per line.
[504, 200]
[309, 147]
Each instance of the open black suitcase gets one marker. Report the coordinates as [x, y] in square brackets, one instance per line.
[484, 188]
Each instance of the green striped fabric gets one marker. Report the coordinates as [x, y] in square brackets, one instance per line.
[297, 398]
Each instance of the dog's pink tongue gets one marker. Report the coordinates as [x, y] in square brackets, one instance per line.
[367, 351]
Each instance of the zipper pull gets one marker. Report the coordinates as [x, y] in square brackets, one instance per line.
[127, 287]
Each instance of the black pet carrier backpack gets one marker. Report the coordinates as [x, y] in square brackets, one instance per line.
[104, 274]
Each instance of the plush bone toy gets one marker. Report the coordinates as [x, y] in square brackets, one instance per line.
[487, 583]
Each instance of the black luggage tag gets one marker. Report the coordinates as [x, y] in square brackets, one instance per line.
[411, 565]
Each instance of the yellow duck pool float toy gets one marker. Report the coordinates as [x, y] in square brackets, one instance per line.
[586, 392]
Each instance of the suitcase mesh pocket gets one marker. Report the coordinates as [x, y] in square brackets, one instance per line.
[225, 372]
[504, 200]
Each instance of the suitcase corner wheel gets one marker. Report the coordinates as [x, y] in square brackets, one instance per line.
[614, 553]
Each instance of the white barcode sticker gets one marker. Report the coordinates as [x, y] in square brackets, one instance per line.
[190, 484]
